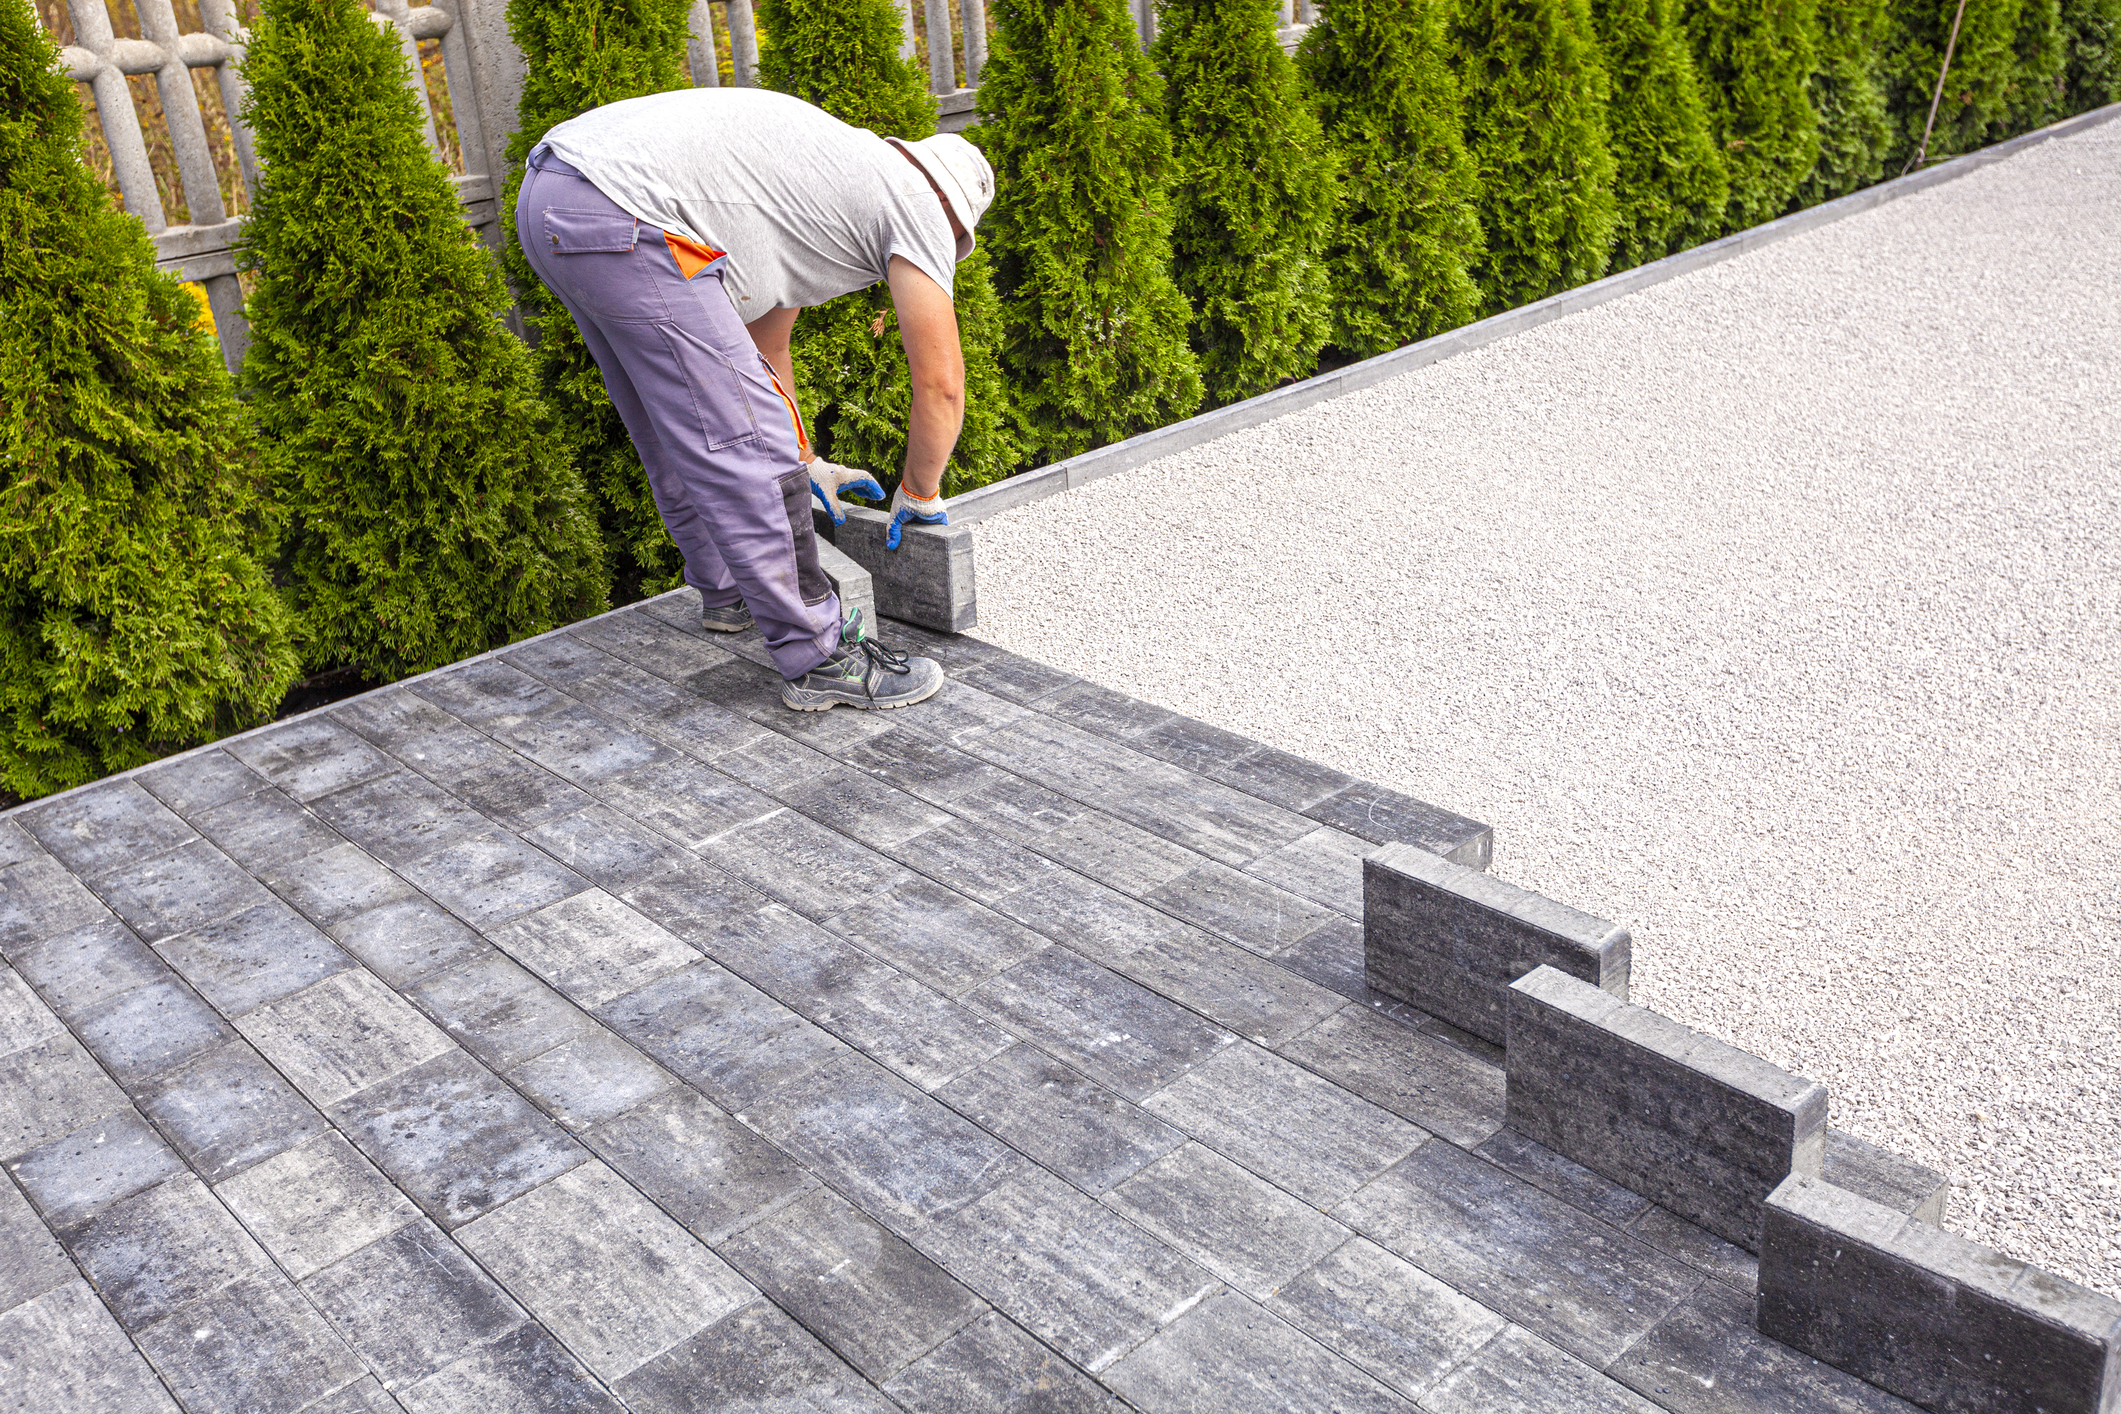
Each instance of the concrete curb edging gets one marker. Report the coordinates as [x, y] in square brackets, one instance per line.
[927, 581]
[977, 504]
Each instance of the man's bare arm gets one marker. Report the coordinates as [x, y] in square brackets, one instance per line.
[927, 326]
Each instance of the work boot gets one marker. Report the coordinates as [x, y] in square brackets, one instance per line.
[863, 673]
[733, 618]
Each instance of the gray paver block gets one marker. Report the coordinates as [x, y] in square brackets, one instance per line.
[582, 745]
[40, 899]
[772, 763]
[399, 817]
[607, 848]
[940, 936]
[363, 1396]
[1230, 1356]
[721, 1033]
[593, 947]
[1230, 986]
[1070, 1124]
[228, 1110]
[457, 1140]
[1324, 866]
[1015, 808]
[24, 1019]
[407, 939]
[342, 1035]
[1248, 911]
[877, 814]
[972, 862]
[1671, 1234]
[1291, 782]
[255, 957]
[754, 1359]
[62, 1351]
[1583, 1284]
[15, 843]
[506, 788]
[1451, 940]
[200, 781]
[316, 1203]
[411, 1302]
[1071, 1271]
[922, 767]
[650, 643]
[993, 1367]
[143, 1032]
[1884, 1177]
[525, 1369]
[488, 879]
[1303, 1132]
[77, 969]
[252, 1345]
[1939, 1320]
[265, 829]
[77, 1175]
[48, 1090]
[390, 716]
[1101, 710]
[104, 827]
[31, 1262]
[1119, 855]
[1563, 1177]
[927, 581]
[499, 1012]
[170, 893]
[1114, 1030]
[1695, 1125]
[699, 1165]
[1088, 917]
[592, 1078]
[1518, 1373]
[1447, 1091]
[487, 694]
[873, 1299]
[1386, 816]
[1013, 677]
[694, 900]
[310, 756]
[161, 1249]
[1233, 1223]
[1386, 1315]
[336, 884]
[804, 865]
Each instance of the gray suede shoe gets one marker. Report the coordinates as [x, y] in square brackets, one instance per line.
[863, 673]
[733, 619]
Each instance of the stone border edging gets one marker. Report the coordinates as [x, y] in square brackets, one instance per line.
[983, 501]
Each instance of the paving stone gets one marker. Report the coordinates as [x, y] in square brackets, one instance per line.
[688, 803]
[488, 879]
[344, 1034]
[336, 884]
[487, 694]
[48, 1090]
[310, 756]
[1234, 1223]
[177, 891]
[200, 781]
[1074, 1273]
[924, 768]
[228, 1110]
[1324, 866]
[1274, 776]
[756, 1361]
[1116, 853]
[677, 717]
[1518, 1373]
[1384, 816]
[694, 900]
[316, 1203]
[1386, 1315]
[407, 939]
[513, 792]
[1589, 1287]
[1113, 715]
[1015, 678]
[90, 964]
[938, 935]
[1071, 1125]
[1228, 1354]
[1017, 809]
[1332, 957]
[589, 1079]
[593, 947]
[804, 865]
[559, 660]
[993, 1367]
[143, 1032]
[1189, 744]
[1706, 1358]
[39, 899]
[458, 1141]
[1281, 1121]
[1884, 1177]
[1697, 1247]
[864, 808]
[162, 1248]
[648, 642]
[1231, 987]
[400, 817]
[31, 1262]
[582, 745]
[265, 829]
[390, 716]
[1113, 1030]
[412, 1302]
[525, 1370]
[721, 1033]
[24, 1019]
[251, 958]
[62, 1351]
[961, 712]
[15, 843]
[1086, 916]
[107, 826]
[699, 1165]
[363, 1396]
[771, 762]
[606, 848]
[77, 1175]
[500, 1012]
[1445, 1090]
[967, 859]
[1249, 912]
[254, 1345]
[1561, 1176]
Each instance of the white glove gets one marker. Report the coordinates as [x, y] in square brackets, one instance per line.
[906, 506]
[829, 479]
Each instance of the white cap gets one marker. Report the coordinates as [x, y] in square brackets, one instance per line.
[961, 171]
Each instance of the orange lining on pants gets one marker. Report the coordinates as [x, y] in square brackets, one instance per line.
[691, 256]
[802, 437]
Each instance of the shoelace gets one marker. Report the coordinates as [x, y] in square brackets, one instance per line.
[890, 660]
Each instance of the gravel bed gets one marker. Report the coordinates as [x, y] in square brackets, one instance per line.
[1772, 611]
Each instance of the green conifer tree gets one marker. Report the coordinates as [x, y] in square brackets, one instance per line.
[2041, 47]
[1845, 93]
[1977, 90]
[1253, 195]
[1669, 184]
[2091, 55]
[1409, 225]
[134, 619]
[1093, 326]
[1756, 59]
[435, 513]
[582, 54]
[1536, 92]
[850, 368]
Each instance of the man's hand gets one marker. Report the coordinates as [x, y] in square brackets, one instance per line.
[905, 507]
[829, 479]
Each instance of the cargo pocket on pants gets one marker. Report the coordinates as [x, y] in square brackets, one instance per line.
[809, 574]
[719, 400]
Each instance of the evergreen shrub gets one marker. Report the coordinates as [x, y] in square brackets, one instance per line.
[1977, 92]
[134, 619]
[850, 368]
[1669, 181]
[2091, 55]
[582, 54]
[1850, 102]
[1535, 94]
[1253, 195]
[1756, 59]
[434, 511]
[1094, 330]
[1408, 228]
[2042, 51]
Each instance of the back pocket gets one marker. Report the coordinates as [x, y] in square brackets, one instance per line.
[588, 232]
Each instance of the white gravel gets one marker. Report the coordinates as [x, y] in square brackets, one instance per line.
[1772, 611]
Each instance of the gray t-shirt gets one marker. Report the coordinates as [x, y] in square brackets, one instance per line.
[808, 207]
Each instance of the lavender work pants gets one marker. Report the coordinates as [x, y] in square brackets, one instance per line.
[717, 435]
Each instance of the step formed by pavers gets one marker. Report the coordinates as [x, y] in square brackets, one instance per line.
[577, 1029]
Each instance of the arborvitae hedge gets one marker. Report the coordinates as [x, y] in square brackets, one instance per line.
[1093, 327]
[2091, 55]
[1669, 182]
[1253, 195]
[1380, 72]
[133, 618]
[1847, 96]
[1978, 91]
[1535, 108]
[2041, 47]
[582, 54]
[435, 513]
[850, 367]
[1756, 59]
